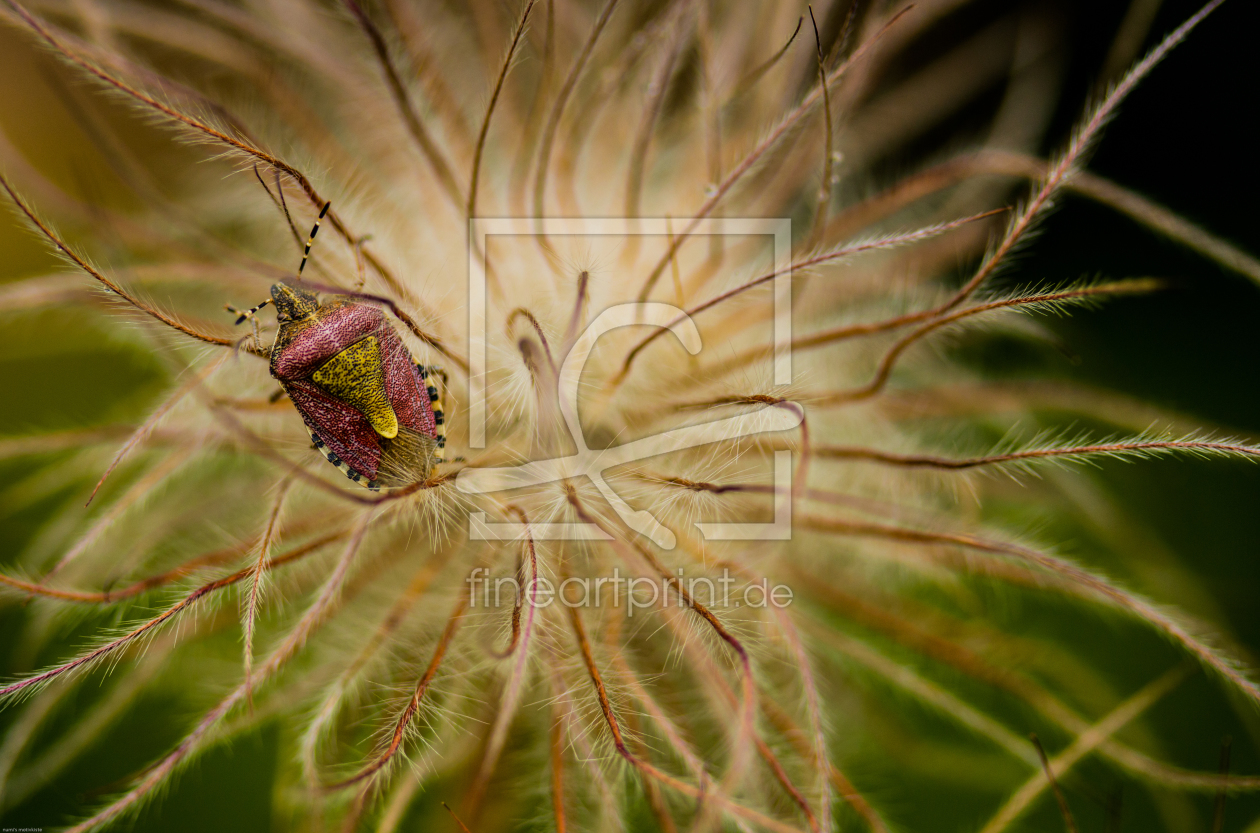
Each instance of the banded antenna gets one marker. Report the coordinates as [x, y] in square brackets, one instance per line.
[310, 241]
[248, 315]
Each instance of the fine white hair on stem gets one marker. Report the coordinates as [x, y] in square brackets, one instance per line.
[292, 643]
[249, 614]
[1024, 459]
[1074, 579]
[1069, 163]
[143, 631]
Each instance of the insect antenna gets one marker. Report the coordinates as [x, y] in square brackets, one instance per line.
[310, 241]
[244, 315]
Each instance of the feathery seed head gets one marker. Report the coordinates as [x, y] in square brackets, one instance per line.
[712, 530]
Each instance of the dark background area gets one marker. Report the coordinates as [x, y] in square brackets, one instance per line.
[1185, 138]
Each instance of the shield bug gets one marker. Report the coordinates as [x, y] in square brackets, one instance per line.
[370, 408]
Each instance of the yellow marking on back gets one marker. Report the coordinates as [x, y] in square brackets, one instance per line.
[355, 376]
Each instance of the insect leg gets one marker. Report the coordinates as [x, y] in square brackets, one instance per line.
[253, 322]
[243, 315]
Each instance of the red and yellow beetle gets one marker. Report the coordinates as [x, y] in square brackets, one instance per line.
[371, 409]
